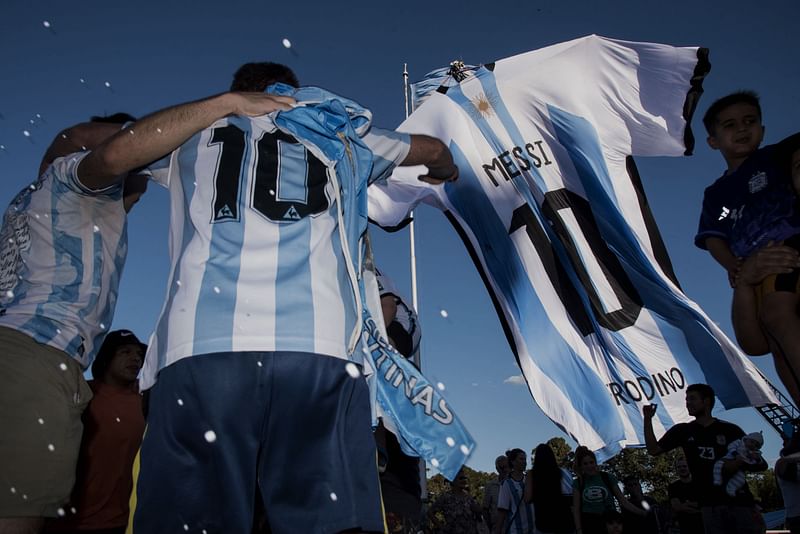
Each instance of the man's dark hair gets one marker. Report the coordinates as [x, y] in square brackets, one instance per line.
[116, 118]
[704, 390]
[258, 76]
[746, 97]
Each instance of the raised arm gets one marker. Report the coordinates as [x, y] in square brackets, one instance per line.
[650, 441]
[431, 152]
[165, 130]
[84, 136]
[721, 252]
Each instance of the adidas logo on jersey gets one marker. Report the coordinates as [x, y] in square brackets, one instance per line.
[225, 213]
[291, 214]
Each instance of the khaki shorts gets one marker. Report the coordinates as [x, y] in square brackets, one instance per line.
[42, 397]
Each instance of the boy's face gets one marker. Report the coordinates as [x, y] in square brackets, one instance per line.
[738, 131]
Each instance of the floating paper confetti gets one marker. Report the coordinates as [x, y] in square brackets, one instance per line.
[46, 24]
[435, 462]
[13, 489]
[61, 512]
[286, 43]
[210, 436]
[216, 289]
[464, 449]
[444, 313]
[73, 510]
[118, 420]
[41, 421]
[95, 228]
[334, 498]
[26, 133]
[440, 386]
[180, 402]
[82, 80]
[450, 441]
[186, 527]
[62, 366]
[51, 447]
[10, 294]
[107, 84]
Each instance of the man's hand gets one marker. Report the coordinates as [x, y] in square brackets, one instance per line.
[256, 104]
[772, 259]
[438, 175]
[649, 410]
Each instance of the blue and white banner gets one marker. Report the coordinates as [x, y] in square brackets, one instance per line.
[550, 206]
[419, 415]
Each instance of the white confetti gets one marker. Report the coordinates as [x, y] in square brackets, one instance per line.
[41, 421]
[450, 441]
[63, 136]
[646, 505]
[95, 228]
[186, 527]
[205, 531]
[158, 130]
[102, 326]
[62, 366]
[180, 402]
[51, 447]
[82, 80]
[73, 510]
[61, 512]
[38, 116]
[178, 283]
[26, 133]
[10, 294]
[210, 436]
[434, 462]
[440, 386]
[107, 84]
[13, 489]
[24, 497]
[31, 121]
[46, 23]
[58, 330]
[118, 420]
[2, 147]
[444, 313]
[260, 364]
[334, 498]
[464, 449]
[286, 43]
[352, 370]
[271, 193]
[216, 289]
[130, 131]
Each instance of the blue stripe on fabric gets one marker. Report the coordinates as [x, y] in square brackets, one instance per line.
[552, 353]
[292, 163]
[343, 281]
[294, 302]
[581, 141]
[216, 302]
[186, 161]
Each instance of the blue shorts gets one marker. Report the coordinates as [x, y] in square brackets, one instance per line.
[297, 424]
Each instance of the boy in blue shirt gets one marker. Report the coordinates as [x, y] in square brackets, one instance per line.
[751, 206]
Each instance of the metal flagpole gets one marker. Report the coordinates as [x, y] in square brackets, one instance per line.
[423, 481]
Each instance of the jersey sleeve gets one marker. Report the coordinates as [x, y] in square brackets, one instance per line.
[713, 220]
[65, 171]
[389, 149]
[158, 171]
[673, 438]
[504, 498]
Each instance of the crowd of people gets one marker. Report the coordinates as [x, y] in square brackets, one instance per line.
[264, 304]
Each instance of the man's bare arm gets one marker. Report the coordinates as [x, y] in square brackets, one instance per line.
[84, 136]
[431, 152]
[650, 441]
[163, 131]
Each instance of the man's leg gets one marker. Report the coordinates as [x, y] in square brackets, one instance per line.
[782, 323]
[42, 397]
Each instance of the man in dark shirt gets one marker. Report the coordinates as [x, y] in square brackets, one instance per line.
[684, 497]
[704, 441]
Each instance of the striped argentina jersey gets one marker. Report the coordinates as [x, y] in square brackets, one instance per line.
[62, 250]
[551, 208]
[258, 258]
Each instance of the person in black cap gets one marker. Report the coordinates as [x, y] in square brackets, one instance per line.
[114, 425]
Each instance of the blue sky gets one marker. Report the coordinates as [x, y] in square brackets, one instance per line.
[153, 54]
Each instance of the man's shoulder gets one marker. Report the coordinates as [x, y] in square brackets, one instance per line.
[727, 426]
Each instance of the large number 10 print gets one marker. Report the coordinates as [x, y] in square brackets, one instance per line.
[614, 300]
[278, 194]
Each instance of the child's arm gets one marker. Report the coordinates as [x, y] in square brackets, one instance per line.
[721, 252]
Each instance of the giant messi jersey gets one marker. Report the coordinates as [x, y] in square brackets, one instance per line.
[551, 208]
